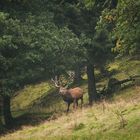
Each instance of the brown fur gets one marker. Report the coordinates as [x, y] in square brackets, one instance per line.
[71, 96]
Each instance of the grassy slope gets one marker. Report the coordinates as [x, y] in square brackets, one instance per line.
[117, 118]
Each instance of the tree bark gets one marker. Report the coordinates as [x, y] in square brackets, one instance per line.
[91, 84]
[7, 111]
[0, 110]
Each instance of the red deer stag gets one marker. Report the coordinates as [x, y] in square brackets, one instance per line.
[71, 95]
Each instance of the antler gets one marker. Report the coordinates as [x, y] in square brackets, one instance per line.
[58, 83]
[71, 75]
[71, 78]
[55, 82]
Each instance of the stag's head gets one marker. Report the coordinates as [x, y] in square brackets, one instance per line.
[58, 84]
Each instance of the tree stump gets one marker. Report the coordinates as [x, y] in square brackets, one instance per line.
[137, 81]
[113, 85]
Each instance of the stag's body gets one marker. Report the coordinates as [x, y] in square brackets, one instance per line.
[71, 96]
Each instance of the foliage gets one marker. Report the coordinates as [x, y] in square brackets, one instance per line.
[31, 48]
[128, 26]
[124, 27]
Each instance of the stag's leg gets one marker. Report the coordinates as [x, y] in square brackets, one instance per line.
[81, 101]
[77, 103]
[68, 107]
[74, 104]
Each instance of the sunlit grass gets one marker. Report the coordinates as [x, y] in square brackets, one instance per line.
[102, 121]
[29, 95]
[125, 67]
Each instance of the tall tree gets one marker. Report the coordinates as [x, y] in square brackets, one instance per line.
[28, 50]
[82, 18]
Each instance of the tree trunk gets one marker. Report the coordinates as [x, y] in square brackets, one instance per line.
[77, 77]
[0, 111]
[91, 84]
[6, 111]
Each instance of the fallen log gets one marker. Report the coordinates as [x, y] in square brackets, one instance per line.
[115, 84]
[115, 81]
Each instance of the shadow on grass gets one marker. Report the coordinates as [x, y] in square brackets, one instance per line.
[28, 119]
[35, 117]
[50, 99]
[45, 108]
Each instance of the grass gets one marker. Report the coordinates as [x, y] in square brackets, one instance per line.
[125, 67]
[44, 118]
[29, 96]
[102, 121]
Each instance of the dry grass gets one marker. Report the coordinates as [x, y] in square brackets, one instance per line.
[105, 117]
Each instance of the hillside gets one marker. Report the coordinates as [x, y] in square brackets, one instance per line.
[40, 112]
[53, 51]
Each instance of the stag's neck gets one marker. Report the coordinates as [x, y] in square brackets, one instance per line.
[67, 98]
